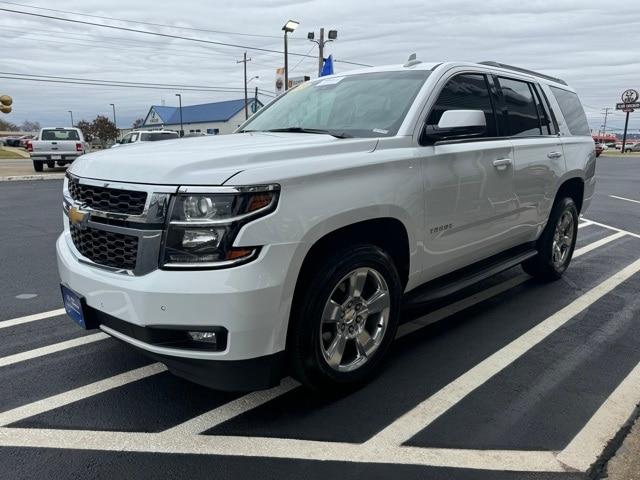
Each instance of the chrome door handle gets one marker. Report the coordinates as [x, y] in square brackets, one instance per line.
[502, 163]
[554, 154]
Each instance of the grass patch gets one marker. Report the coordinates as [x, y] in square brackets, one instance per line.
[12, 154]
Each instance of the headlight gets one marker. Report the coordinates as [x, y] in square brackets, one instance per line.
[203, 225]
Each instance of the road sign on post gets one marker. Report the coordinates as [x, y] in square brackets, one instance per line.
[629, 103]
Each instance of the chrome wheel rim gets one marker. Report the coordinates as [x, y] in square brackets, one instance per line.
[355, 319]
[562, 239]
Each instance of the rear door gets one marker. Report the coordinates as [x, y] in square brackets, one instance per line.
[468, 183]
[538, 153]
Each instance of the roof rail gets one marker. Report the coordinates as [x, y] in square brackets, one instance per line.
[523, 70]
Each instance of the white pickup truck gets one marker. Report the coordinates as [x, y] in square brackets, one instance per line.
[56, 145]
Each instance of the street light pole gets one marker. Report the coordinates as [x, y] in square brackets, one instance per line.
[289, 27]
[180, 100]
[333, 34]
[115, 123]
[71, 113]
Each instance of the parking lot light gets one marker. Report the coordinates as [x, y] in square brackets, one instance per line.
[289, 27]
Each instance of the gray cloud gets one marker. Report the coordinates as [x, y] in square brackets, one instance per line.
[591, 44]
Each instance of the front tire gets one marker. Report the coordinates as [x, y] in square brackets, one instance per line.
[37, 166]
[556, 244]
[344, 319]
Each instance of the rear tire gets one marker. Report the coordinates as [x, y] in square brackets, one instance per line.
[51, 164]
[37, 166]
[556, 244]
[345, 316]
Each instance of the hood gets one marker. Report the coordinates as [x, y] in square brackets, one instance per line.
[209, 160]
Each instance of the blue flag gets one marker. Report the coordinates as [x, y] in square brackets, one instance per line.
[327, 68]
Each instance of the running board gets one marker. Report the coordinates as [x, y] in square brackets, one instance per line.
[467, 276]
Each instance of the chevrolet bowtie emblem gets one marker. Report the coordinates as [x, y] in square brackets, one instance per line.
[78, 217]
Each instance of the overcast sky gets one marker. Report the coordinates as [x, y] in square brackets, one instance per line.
[593, 45]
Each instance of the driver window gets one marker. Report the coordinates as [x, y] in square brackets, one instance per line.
[468, 91]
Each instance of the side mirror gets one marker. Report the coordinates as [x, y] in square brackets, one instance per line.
[457, 124]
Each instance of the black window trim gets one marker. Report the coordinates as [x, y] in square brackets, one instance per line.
[493, 91]
[548, 110]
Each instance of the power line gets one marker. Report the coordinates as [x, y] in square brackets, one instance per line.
[128, 85]
[163, 25]
[164, 35]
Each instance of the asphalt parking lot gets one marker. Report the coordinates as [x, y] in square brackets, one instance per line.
[509, 379]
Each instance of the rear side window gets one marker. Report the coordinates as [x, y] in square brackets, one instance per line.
[468, 91]
[60, 135]
[572, 111]
[522, 111]
[155, 136]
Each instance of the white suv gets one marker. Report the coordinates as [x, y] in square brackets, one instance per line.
[138, 136]
[290, 246]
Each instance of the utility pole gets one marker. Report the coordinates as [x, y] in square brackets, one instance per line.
[604, 127]
[181, 128]
[246, 99]
[115, 123]
[624, 135]
[333, 34]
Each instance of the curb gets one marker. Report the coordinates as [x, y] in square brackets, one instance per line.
[17, 178]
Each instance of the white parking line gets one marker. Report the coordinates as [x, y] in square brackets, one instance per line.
[611, 227]
[598, 243]
[584, 223]
[589, 443]
[500, 460]
[56, 347]
[80, 393]
[623, 198]
[433, 407]
[31, 318]
[231, 409]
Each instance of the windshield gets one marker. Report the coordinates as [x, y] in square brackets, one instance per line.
[60, 135]
[155, 136]
[364, 105]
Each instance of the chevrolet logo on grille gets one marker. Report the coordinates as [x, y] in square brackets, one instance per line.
[78, 217]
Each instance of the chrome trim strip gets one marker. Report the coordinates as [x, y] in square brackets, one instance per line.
[272, 187]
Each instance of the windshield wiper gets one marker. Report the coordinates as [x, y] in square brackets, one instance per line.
[311, 130]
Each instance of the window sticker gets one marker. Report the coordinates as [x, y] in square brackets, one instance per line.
[380, 130]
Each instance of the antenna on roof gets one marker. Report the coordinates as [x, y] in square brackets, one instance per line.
[412, 61]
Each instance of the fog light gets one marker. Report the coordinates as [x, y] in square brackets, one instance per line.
[207, 337]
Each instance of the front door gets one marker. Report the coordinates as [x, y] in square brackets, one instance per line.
[468, 184]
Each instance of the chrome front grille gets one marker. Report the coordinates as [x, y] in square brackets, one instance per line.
[129, 202]
[111, 249]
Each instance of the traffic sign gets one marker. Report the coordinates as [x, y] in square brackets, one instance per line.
[628, 110]
[622, 106]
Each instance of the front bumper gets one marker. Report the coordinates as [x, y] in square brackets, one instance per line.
[250, 301]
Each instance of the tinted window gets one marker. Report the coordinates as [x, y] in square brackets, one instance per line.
[521, 107]
[465, 92]
[543, 112]
[572, 111]
[60, 135]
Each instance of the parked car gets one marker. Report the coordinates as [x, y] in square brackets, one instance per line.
[635, 148]
[599, 149]
[290, 246]
[15, 141]
[140, 136]
[628, 147]
[24, 140]
[56, 146]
